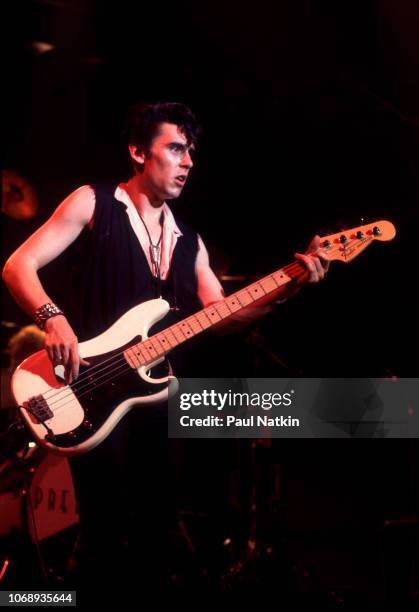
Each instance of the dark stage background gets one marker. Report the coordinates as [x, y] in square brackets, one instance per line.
[310, 115]
[311, 122]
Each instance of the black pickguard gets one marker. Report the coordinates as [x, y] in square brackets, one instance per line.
[101, 387]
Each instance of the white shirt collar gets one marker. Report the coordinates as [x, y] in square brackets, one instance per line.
[122, 195]
[171, 231]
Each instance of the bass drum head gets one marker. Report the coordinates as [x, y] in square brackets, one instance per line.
[51, 503]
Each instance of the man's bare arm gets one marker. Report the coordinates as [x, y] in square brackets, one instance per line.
[211, 291]
[21, 272]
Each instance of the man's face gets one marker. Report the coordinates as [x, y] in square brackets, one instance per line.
[168, 163]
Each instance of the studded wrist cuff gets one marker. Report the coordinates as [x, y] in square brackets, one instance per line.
[45, 312]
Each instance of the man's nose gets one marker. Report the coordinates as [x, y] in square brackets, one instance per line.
[187, 160]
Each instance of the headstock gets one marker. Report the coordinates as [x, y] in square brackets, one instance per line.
[347, 244]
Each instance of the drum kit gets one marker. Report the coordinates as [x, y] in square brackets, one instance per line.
[37, 500]
[36, 490]
[37, 503]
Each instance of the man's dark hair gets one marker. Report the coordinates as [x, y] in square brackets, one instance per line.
[143, 120]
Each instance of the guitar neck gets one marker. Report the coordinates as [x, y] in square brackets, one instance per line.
[163, 342]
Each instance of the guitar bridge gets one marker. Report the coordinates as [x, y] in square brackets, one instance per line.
[38, 407]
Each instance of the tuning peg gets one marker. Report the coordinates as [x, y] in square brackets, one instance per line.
[360, 235]
[343, 239]
[376, 230]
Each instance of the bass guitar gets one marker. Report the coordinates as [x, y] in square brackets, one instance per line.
[73, 419]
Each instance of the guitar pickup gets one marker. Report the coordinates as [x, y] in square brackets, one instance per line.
[39, 408]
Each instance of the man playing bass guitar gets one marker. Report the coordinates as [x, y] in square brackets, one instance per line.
[130, 248]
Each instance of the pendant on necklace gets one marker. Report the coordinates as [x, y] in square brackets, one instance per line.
[154, 252]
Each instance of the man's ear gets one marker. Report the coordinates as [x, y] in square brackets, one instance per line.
[136, 154]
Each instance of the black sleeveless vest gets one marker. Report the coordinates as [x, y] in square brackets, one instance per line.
[111, 273]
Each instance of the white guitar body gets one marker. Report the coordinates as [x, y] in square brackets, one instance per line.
[36, 377]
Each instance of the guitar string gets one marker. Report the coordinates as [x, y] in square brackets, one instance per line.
[90, 370]
[124, 367]
[70, 397]
[291, 268]
[62, 394]
[112, 361]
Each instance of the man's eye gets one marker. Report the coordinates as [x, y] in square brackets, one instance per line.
[181, 149]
